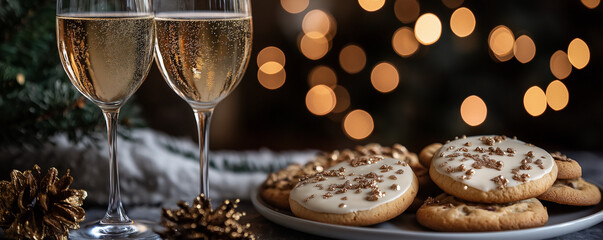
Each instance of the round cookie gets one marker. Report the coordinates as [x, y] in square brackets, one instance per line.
[365, 191]
[492, 169]
[449, 214]
[568, 168]
[427, 153]
[276, 188]
[575, 192]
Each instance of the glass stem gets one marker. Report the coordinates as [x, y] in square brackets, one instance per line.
[203, 117]
[115, 212]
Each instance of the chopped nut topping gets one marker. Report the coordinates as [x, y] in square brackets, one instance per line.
[487, 140]
[499, 151]
[530, 154]
[358, 190]
[342, 190]
[539, 163]
[351, 174]
[332, 187]
[395, 187]
[400, 171]
[510, 150]
[344, 198]
[393, 177]
[560, 157]
[320, 187]
[443, 164]
[501, 181]
[327, 195]
[370, 175]
[470, 172]
[366, 160]
[468, 144]
[522, 178]
[342, 205]
[308, 198]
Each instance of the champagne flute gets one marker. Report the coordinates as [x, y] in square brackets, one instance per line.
[202, 48]
[106, 47]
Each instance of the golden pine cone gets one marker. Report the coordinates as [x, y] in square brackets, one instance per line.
[201, 222]
[36, 206]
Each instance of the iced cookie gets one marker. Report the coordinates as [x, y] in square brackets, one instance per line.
[427, 153]
[276, 188]
[568, 168]
[449, 214]
[492, 169]
[575, 192]
[364, 191]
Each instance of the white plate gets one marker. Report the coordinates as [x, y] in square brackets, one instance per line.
[562, 220]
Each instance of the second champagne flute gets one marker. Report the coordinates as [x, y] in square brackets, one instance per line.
[202, 48]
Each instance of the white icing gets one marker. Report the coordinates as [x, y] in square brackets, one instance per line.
[481, 179]
[355, 201]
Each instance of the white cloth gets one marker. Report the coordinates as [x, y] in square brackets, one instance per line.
[154, 168]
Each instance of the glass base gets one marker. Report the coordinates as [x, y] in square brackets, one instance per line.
[96, 230]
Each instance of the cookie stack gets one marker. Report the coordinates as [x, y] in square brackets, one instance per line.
[491, 183]
[335, 188]
[570, 188]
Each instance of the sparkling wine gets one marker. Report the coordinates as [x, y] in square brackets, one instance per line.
[106, 57]
[202, 55]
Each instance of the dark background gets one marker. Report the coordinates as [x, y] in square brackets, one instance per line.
[434, 81]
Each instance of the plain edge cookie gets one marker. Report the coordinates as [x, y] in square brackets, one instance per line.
[276, 198]
[568, 169]
[372, 216]
[567, 195]
[434, 218]
[427, 153]
[511, 194]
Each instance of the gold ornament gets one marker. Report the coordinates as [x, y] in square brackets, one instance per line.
[36, 206]
[201, 222]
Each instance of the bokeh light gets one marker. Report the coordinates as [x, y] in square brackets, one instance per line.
[591, 3]
[534, 101]
[557, 95]
[358, 124]
[578, 53]
[352, 58]
[428, 29]
[385, 77]
[462, 22]
[271, 67]
[501, 42]
[20, 78]
[343, 99]
[313, 48]
[560, 65]
[404, 42]
[295, 6]
[322, 75]
[474, 110]
[371, 5]
[524, 49]
[452, 4]
[271, 53]
[407, 11]
[320, 100]
[316, 24]
[272, 81]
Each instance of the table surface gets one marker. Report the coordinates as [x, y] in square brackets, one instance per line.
[592, 169]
